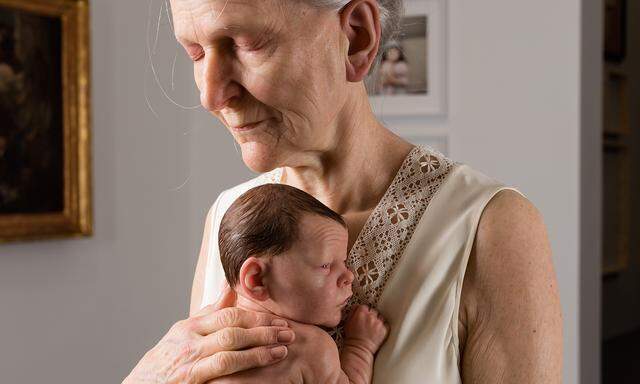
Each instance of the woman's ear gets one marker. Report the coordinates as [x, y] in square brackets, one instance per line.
[360, 21]
[251, 280]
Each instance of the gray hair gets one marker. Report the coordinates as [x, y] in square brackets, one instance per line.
[391, 12]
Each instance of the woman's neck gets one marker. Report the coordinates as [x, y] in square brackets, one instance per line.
[354, 175]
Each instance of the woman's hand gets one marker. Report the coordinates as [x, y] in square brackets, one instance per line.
[217, 341]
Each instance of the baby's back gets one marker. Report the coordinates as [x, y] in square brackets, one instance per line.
[311, 358]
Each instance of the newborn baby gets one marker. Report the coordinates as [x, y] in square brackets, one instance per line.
[284, 253]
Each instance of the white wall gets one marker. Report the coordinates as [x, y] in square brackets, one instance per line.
[85, 310]
[524, 109]
[515, 115]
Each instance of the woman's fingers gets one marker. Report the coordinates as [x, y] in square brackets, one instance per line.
[227, 363]
[232, 317]
[234, 339]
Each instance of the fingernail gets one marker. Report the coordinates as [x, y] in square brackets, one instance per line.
[278, 353]
[279, 323]
[285, 336]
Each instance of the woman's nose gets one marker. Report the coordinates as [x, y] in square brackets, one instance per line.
[217, 86]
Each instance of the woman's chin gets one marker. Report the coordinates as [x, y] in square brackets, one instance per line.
[258, 157]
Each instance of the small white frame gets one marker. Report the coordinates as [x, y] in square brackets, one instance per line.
[435, 102]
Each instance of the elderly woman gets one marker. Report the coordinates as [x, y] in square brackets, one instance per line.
[458, 263]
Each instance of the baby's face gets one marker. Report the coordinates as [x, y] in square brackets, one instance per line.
[310, 283]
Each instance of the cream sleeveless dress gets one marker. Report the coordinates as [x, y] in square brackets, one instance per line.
[409, 262]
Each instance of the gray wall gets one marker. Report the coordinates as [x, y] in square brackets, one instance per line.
[86, 310]
[524, 108]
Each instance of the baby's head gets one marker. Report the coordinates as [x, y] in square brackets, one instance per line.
[285, 250]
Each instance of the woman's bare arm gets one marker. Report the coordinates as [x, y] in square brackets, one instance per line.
[197, 288]
[510, 318]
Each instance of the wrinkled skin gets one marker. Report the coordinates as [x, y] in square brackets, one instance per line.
[275, 67]
[309, 283]
[300, 71]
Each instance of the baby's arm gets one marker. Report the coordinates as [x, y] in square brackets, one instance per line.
[365, 331]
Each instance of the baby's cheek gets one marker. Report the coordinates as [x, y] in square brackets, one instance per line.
[317, 292]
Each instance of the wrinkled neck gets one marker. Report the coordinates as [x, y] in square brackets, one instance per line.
[353, 172]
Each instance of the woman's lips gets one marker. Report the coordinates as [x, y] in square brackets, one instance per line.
[247, 127]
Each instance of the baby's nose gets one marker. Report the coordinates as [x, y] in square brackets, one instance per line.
[348, 278]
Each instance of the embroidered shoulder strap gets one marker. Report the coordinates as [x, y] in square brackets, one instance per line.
[389, 228]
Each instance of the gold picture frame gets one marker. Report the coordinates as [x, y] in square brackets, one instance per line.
[74, 215]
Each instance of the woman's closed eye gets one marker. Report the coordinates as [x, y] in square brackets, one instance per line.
[196, 51]
[246, 46]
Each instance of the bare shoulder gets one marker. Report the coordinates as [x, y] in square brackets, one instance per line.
[315, 342]
[318, 353]
[292, 370]
[511, 243]
[510, 319]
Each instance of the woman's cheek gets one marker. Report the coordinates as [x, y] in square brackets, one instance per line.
[266, 84]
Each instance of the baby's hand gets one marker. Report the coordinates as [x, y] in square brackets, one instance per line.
[366, 328]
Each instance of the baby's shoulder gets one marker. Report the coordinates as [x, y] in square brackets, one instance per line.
[316, 353]
[310, 335]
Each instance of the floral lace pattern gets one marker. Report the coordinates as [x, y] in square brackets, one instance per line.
[390, 227]
[386, 233]
[384, 237]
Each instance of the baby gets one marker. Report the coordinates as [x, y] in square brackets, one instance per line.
[284, 253]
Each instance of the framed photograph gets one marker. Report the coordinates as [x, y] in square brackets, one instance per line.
[411, 78]
[45, 170]
[615, 30]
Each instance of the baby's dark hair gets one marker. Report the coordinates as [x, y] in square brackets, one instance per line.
[264, 221]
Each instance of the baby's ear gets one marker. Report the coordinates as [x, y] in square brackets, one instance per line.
[251, 280]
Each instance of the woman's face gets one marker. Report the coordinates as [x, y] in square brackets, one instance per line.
[277, 62]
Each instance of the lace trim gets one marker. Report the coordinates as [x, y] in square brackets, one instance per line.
[390, 226]
[386, 233]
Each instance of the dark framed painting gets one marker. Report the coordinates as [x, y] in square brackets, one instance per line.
[615, 30]
[45, 170]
